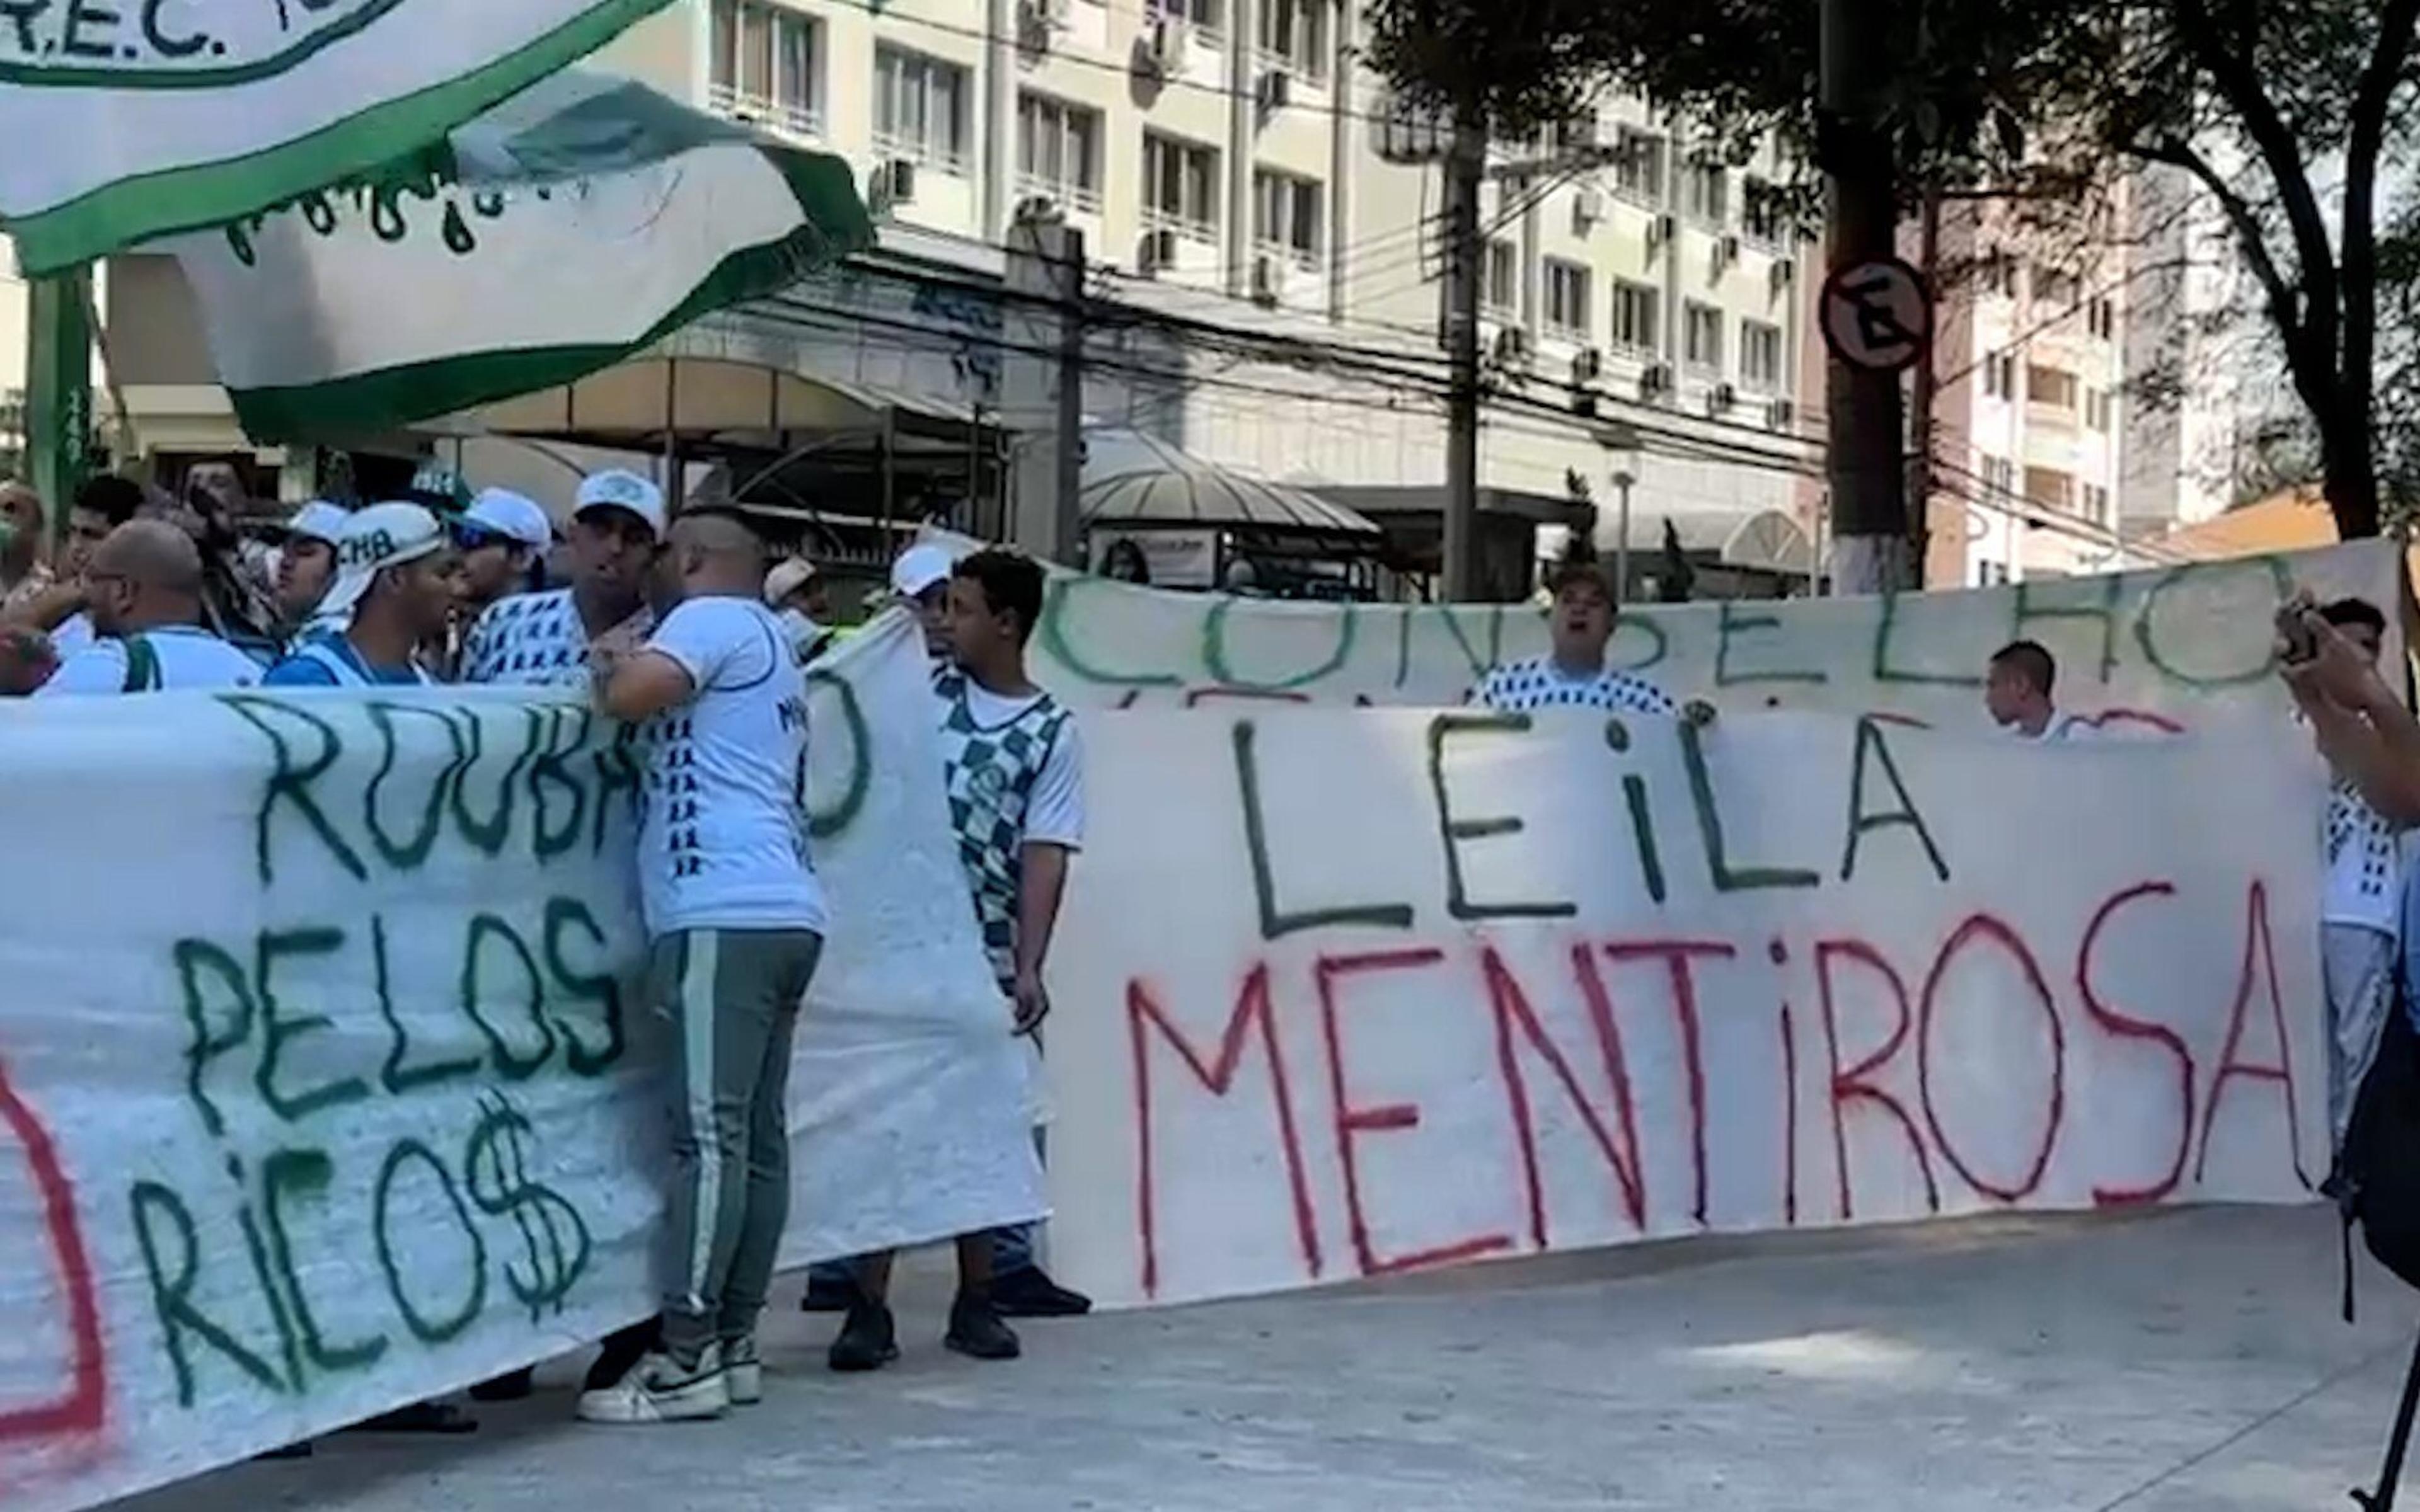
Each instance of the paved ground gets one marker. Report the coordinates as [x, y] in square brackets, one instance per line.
[2182, 1362]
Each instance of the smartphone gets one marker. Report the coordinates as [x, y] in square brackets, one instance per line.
[2301, 642]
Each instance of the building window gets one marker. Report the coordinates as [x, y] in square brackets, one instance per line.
[2053, 388]
[2000, 475]
[1639, 167]
[762, 61]
[1059, 151]
[2051, 286]
[1180, 186]
[2000, 375]
[1295, 33]
[920, 108]
[1566, 137]
[1991, 574]
[2000, 275]
[2103, 320]
[1409, 134]
[1705, 192]
[2050, 488]
[1503, 289]
[2096, 503]
[1567, 299]
[1701, 338]
[2099, 408]
[1285, 215]
[1764, 212]
[1760, 356]
[1635, 309]
[1207, 17]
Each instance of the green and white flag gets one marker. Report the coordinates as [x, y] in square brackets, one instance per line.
[582, 221]
[138, 118]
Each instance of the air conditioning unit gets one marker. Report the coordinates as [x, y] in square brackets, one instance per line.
[1511, 347]
[1780, 414]
[1163, 48]
[1656, 380]
[1588, 366]
[1158, 251]
[893, 184]
[1784, 273]
[1720, 398]
[1272, 90]
[1268, 279]
[1588, 209]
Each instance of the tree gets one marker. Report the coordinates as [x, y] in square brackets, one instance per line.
[2282, 112]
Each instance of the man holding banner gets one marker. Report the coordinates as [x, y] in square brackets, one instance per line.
[735, 923]
[1574, 674]
[541, 640]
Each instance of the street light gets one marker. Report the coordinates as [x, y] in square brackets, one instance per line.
[1622, 445]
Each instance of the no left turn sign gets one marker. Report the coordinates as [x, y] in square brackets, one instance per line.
[1877, 315]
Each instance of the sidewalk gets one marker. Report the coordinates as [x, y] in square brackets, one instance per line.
[2179, 1362]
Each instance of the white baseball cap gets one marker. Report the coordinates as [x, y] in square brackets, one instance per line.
[788, 577]
[320, 520]
[917, 568]
[502, 512]
[375, 539]
[617, 488]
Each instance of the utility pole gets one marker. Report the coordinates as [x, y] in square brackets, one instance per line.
[1465, 164]
[1924, 397]
[1042, 384]
[1867, 428]
[59, 389]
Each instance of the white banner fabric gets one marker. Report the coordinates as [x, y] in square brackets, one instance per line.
[330, 1086]
[1348, 993]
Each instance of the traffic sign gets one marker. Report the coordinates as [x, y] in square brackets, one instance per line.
[1877, 315]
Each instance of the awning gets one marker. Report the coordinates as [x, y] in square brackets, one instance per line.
[641, 403]
[1132, 479]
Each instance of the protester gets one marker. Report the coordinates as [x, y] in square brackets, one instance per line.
[27, 661]
[2017, 695]
[2361, 903]
[1012, 764]
[100, 505]
[1574, 674]
[238, 599]
[617, 522]
[145, 586]
[24, 556]
[398, 577]
[798, 593]
[306, 563]
[505, 538]
[734, 920]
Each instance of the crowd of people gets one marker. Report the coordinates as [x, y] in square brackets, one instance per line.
[688, 627]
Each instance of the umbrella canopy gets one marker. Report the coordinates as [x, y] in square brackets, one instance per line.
[1133, 478]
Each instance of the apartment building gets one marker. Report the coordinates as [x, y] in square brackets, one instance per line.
[1236, 172]
[2031, 416]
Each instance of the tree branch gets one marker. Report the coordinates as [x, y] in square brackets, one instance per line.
[2363, 144]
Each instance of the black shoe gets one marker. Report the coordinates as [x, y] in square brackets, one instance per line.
[421, 1417]
[1025, 1292]
[976, 1331]
[289, 1451]
[824, 1296]
[516, 1387]
[868, 1341]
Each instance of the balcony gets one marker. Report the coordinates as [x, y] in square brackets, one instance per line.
[782, 119]
[1084, 199]
[1204, 232]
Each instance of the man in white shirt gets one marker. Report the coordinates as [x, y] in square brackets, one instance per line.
[397, 579]
[2360, 905]
[102, 504]
[144, 585]
[1014, 766]
[543, 640]
[1572, 675]
[2017, 695]
[734, 920]
[306, 563]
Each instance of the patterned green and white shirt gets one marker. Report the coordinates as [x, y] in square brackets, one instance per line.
[1014, 769]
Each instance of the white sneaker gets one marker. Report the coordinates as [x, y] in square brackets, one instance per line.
[659, 1389]
[743, 1370]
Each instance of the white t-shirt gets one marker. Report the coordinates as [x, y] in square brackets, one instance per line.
[1538, 682]
[180, 656]
[2365, 876]
[533, 640]
[2063, 729]
[72, 634]
[722, 841]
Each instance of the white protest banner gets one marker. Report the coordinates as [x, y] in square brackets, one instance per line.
[1347, 993]
[165, 115]
[326, 1087]
[347, 313]
[2144, 650]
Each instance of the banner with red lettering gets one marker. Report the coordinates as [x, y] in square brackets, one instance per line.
[1346, 993]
